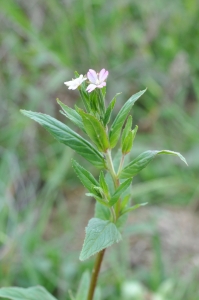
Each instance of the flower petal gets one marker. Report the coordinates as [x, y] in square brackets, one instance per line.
[101, 85]
[84, 78]
[103, 74]
[91, 87]
[72, 87]
[68, 83]
[74, 83]
[92, 76]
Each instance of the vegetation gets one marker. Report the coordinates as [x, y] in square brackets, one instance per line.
[153, 46]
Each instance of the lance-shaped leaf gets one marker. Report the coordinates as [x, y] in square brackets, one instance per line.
[95, 131]
[84, 94]
[108, 112]
[72, 115]
[97, 295]
[127, 128]
[121, 117]
[83, 288]
[134, 207]
[86, 178]
[103, 183]
[67, 136]
[102, 212]
[100, 234]
[94, 102]
[32, 293]
[98, 199]
[127, 143]
[143, 160]
[120, 190]
[125, 201]
[99, 191]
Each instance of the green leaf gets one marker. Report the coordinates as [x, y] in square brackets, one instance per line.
[67, 136]
[83, 93]
[109, 110]
[128, 141]
[94, 102]
[95, 131]
[100, 234]
[134, 131]
[71, 295]
[101, 102]
[121, 221]
[134, 207]
[99, 191]
[127, 128]
[32, 293]
[86, 178]
[97, 295]
[85, 96]
[125, 201]
[108, 177]
[83, 288]
[97, 198]
[72, 115]
[121, 117]
[120, 190]
[143, 160]
[103, 90]
[102, 212]
[103, 183]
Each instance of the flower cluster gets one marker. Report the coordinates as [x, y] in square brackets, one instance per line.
[96, 80]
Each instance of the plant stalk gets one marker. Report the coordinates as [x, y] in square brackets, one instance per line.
[115, 179]
[111, 167]
[95, 274]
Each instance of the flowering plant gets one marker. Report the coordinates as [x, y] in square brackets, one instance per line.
[112, 189]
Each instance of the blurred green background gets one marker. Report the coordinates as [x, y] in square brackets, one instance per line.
[43, 210]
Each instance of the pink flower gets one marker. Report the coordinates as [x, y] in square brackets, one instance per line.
[74, 83]
[97, 80]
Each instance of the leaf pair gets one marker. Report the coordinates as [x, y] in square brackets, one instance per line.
[88, 180]
[90, 183]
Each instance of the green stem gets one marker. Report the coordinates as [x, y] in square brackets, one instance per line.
[111, 167]
[95, 274]
[115, 180]
[113, 214]
[117, 205]
[121, 165]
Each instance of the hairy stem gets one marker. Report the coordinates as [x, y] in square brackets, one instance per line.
[95, 274]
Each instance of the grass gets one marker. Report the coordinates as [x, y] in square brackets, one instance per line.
[42, 43]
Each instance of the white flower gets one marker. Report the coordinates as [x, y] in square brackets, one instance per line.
[97, 80]
[74, 83]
